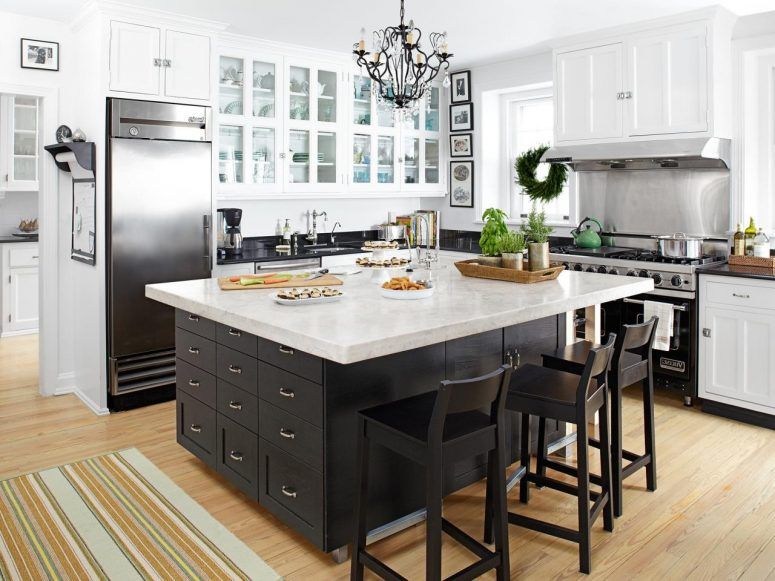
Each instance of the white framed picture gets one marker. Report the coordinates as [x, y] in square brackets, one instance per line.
[461, 117]
[461, 184]
[460, 145]
[39, 54]
[461, 86]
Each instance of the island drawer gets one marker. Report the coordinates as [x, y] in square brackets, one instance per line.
[195, 350]
[292, 435]
[291, 491]
[196, 428]
[238, 405]
[195, 382]
[237, 368]
[291, 393]
[195, 324]
[238, 455]
[289, 359]
[236, 339]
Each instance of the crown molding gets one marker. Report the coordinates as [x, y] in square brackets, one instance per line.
[115, 8]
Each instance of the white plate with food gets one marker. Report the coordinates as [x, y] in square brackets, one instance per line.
[296, 297]
[404, 289]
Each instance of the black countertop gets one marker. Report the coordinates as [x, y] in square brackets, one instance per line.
[737, 271]
[269, 254]
[12, 239]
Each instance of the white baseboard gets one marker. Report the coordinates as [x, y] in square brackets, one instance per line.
[66, 385]
[20, 332]
[90, 404]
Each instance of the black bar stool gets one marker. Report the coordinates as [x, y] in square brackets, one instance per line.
[631, 363]
[436, 429]
[558, 395]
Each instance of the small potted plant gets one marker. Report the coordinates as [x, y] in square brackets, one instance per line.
[494, 228]
[537, 232]
[512, 248]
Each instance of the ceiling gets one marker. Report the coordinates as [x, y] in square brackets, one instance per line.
[489, 29]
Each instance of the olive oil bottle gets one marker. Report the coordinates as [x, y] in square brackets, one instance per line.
[750, 234]
[738, 245]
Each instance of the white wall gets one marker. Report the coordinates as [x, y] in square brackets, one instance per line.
[17, 206]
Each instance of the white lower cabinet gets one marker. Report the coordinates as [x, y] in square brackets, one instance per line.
[19, 288]
[736, 356]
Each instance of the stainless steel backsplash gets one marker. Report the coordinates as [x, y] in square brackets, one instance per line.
[658, 201]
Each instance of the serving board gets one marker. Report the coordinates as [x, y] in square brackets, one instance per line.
[297, 281]
[474, 269]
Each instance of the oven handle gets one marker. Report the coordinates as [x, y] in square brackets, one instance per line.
[682, 308]
[674, 343]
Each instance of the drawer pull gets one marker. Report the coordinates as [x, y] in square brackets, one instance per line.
[287, 392]
[741, 296]
[288, 491]
[286, 350]
[235, 369]
[236, 456]
[235, 405]
[34, 257]
[193, 350]
[193, 383]
[194, 318]
[196, 428]
[235, 333]
[287, 433]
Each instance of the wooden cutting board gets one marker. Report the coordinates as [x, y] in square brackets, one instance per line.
[297, 281]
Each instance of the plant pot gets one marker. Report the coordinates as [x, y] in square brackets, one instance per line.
[489, 260]
[538, 255]
[512, 260]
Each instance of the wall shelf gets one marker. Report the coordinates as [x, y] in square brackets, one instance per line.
[84, 154]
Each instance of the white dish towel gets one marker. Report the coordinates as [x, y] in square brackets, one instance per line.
[665, 325]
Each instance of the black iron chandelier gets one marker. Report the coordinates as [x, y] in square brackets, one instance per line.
[400, 68]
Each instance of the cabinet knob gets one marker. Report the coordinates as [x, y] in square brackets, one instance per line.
[157, 62]
[288, 491]
[706, 332]
[628, 95]
[236, 456]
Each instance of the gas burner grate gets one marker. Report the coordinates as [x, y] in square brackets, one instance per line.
[651, 256]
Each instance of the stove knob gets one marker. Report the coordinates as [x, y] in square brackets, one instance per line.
[566, 265]
[631, 273]
[602, 269]
[578, 267]
[613, 271]
[657, 278]
[676, 280]
[590, 269]
[643, 274]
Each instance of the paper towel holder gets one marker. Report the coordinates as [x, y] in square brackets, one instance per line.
[84, 151]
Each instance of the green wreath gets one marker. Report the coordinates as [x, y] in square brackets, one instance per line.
[537, 190]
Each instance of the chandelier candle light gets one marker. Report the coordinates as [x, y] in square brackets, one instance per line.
[401, 71]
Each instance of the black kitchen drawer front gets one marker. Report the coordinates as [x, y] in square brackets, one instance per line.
[293, 360]
[195, 350]
[238, 455]
[237, 339]
[237, 368]
[291, 491]
[291, 393]
[292, 434]
[195, 382]
[196, 428]
[195, 324]
[238, 405]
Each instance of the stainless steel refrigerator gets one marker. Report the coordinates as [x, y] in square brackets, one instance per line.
[158, 213]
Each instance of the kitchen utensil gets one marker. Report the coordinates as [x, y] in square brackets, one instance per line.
[587, 237]
[302, 302]
[679, 245]
[318, 274]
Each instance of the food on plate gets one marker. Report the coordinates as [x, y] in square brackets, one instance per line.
[403, 283]
[380, 244]
[295, 294]
[386, 263]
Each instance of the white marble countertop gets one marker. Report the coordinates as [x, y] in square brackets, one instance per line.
[364, 324]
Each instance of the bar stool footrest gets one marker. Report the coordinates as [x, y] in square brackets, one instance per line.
[466, 540]
[571, 471]
[559, 485]
[544, 527]
[638, 463]
[597, 506]
[378, 567]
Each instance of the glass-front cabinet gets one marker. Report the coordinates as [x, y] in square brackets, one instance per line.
[19, 148]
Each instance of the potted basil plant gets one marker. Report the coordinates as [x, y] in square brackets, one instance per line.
[537, 232]
[494, 228]
[512, 248]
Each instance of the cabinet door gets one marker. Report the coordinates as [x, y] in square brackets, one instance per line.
[667, 89]
[19, 123]
[23, 299]
[588, 93]
[186, 65]
[135, 53]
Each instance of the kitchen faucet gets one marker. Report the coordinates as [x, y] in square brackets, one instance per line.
[312, 234]
[430, 257]
[333, 240]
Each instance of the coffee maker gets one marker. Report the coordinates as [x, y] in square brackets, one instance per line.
[229, 234]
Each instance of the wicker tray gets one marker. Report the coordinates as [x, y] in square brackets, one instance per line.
[474, 269]
[753, 262]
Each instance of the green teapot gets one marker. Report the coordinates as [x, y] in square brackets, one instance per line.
[587, 238]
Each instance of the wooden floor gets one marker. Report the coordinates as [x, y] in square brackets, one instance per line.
[713, 516]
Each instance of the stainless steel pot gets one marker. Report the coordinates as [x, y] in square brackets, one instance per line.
[679, 245]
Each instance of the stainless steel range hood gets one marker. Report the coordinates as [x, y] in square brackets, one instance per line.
[692, 153]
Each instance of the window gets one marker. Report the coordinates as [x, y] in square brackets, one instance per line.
[530, 123]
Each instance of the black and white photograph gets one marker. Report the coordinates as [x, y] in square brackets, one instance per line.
[39, 54]
[461, 117]
[461, 86]
[461, 184]
[460, 145]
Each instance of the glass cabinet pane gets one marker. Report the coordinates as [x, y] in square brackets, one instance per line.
[25, 169]
[433, 111]
[361, 159]
[230, 86]
[263, 155]
[385, 160]
[326, 92]
[412, 123]
[362, 100]
[230, 167]
[298, 99]
[431, 161]
[263, 89]
[385, 116]
[326, 158]
[299, 152]
[411, 160]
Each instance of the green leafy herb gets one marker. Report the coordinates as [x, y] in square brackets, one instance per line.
[494, 228]
[512, 242]
[536, 229]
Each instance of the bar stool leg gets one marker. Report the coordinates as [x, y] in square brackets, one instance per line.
[648, 424]
[541, 451]
[524, 458]
[616, 449]
[501, 517]
[582, 447]
[488, 503]
[361, 501]
[433, 495]
[605, 466]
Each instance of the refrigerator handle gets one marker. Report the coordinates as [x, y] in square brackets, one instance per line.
[208, 240]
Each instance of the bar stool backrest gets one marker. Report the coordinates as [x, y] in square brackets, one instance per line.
[636, 339]
[596, 368]
[468, 395]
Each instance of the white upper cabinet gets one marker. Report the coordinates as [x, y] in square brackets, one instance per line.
[19, 147]
[589, 90]
[187, 65]
[667, 88]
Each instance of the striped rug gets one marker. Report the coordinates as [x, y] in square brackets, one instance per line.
[115, 516]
